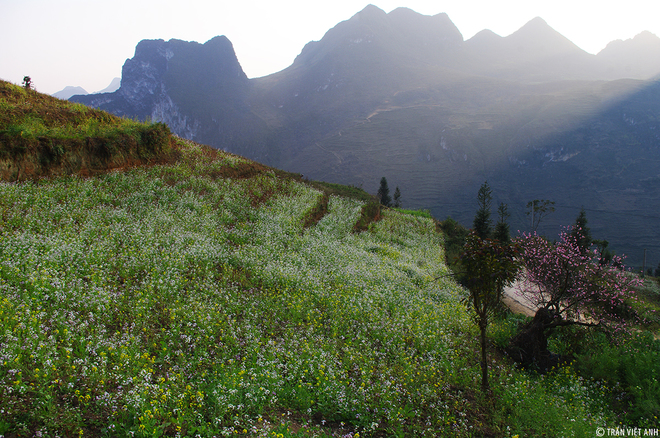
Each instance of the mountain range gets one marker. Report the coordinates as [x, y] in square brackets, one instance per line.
[69, 91]
[403, 95]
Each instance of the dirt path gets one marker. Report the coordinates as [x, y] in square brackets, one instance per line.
[517, 303]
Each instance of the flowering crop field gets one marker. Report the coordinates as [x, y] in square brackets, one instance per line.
[173, 301]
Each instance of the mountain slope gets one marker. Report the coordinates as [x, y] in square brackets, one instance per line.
[638, 57]
[402, 95]
[534, 53]
[112, 87]
[213, 295]
[198, 90]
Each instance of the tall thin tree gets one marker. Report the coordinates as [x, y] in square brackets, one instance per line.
[384, 193]
[502, 232]
[397, 197]
[580, 233]
[537, 210]
[489, 266]
[482, 223]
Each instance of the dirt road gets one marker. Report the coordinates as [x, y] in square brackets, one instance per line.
[517, 303]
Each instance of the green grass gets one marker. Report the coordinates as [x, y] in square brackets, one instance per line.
[173, 300]
[41, 136]
[418, 213]
[648, 304]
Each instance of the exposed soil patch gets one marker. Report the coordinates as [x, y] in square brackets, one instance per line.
[370, 213]
[316, 214]
[517, 303]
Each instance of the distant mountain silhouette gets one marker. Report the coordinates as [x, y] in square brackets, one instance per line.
[69, 91]
[114, 86]
[535, 52]
[402, 95]
[638, 57]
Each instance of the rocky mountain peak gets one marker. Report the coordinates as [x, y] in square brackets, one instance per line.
[69, 91]
[637, 57]
[432, 28]
[538, 39]
[369, 14]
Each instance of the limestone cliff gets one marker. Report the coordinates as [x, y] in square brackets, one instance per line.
[198, 90]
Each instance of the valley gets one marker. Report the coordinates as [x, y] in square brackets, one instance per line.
[402, 95]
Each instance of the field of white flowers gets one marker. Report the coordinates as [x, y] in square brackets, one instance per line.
[164, 301]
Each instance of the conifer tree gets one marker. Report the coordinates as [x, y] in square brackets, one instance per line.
[397, 197]
[384, 193]
[482, 222]
[502, 232]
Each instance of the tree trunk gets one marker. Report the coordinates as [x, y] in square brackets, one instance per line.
[484, 361]
[530, 347]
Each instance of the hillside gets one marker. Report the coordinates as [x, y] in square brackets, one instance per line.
[402, 95]
[41, 136]
[211, 295]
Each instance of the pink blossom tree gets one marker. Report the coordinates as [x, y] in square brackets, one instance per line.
[568, 286]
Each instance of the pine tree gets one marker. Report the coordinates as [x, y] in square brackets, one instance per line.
[397, 197]
[482, 222]
[384, 193]
[502, 232]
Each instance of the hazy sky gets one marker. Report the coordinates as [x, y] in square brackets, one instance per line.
[85, 42]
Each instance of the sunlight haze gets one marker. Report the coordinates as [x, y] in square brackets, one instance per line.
[85, 43]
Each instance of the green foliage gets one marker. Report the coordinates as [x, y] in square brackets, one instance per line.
[580, 233]
[488, 267]
[175, 299]
[344, 191]
[629, 368]
[27, 82]
[502, 232]
[455, 236]
[504, 328]
[482, 222]
[397, 198]
[369, 213]
[384, 193]
[419, 213]
[43, 135]
[537, 210]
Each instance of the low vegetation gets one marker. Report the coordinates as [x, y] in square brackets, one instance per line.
[196, 298]
[42, 136]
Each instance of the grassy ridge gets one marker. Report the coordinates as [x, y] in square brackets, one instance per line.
[41, 136]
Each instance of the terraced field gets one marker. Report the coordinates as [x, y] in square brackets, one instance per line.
[176, 300]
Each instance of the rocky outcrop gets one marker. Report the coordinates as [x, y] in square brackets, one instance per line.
[173, 82]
